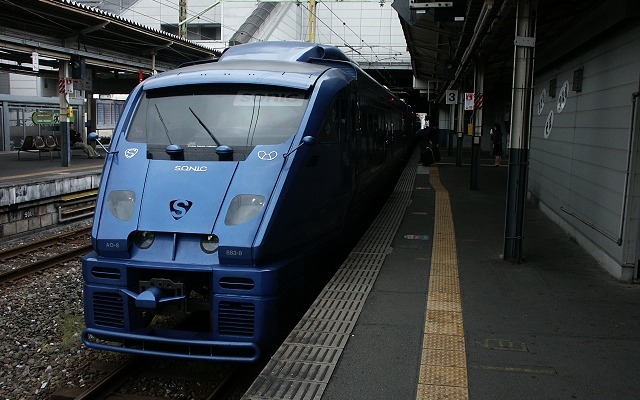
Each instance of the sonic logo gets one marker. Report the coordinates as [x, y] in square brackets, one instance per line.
[179, 208]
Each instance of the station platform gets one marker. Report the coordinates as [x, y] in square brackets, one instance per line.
[425, 307]
[31, 167]
[37, 192]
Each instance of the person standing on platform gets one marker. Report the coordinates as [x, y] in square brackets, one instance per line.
[425, 156]
[77, 143]
[428, 141]
[433, 140]
[496, 143]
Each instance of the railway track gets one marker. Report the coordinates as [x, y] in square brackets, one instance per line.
[138, 377]
[121, 381]
[46, 253]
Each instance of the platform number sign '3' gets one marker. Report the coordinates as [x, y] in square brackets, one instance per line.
[179, 208]
[452, 97]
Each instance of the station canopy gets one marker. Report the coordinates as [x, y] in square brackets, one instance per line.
[61, 29]
[447, 38]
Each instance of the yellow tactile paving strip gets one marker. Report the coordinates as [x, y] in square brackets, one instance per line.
[443, 369]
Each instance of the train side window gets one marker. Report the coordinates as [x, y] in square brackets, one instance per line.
[330, 133]
[330, 130]
[343, 109]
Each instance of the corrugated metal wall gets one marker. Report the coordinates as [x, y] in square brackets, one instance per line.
[580, 141]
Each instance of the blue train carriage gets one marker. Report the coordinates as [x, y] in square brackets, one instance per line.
[221, 180]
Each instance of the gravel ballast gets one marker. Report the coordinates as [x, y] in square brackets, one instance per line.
[41, 319]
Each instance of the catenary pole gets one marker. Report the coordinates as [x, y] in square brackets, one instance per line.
[182, 17]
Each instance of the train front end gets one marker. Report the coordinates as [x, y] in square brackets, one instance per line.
[190, 185]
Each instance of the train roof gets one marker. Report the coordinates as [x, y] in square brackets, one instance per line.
[289, 64]
[284, 51]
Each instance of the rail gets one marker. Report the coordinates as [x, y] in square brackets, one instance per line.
[46, 262]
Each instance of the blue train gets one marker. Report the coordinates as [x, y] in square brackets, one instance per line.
[222, 182]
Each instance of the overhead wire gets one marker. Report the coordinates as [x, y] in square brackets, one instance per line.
[362, 44]
[388, 76]
[67, 28]
[203, 17]
[171, 6]
[288, 23]
[170, 48]
[15, 4]
[207, 19]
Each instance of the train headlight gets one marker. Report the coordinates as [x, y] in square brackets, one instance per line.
[120, 203]
[144, 239]
[209, 243]
[243, 207]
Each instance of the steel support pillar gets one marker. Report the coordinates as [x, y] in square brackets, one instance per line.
[65, 142]
[452, 128]
[460, 132]
[520, 128]
[477, 127]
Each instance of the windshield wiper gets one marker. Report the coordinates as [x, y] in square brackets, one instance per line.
[205, 128]
[166, 131]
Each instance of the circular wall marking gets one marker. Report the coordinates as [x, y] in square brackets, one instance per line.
[563, 95]
[548, 125]
[541, 101]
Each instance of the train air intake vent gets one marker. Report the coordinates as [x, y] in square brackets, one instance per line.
[108, 310]
[105, 273]
[237, 319]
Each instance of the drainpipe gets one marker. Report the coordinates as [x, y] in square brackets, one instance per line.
[625, 193]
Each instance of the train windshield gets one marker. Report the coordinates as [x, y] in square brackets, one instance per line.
[200, 118]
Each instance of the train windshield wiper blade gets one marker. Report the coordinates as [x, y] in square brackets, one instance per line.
[205, 127]
[166, 131]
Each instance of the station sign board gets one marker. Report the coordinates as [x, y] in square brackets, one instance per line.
[443, 11]
[45, 118]
[424, 4]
